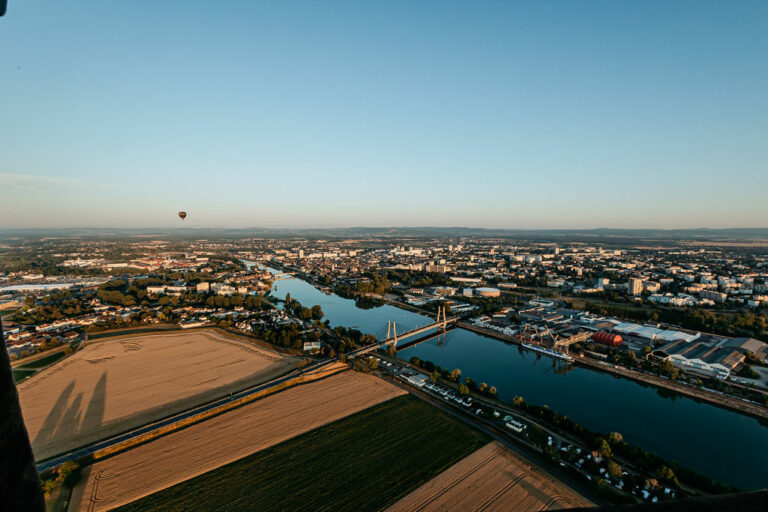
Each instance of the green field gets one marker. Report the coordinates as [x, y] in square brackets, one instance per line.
[43, 361]
[21, 374]
[366, 461]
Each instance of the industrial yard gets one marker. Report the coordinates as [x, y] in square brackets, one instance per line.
[113, 385]
[226, 438]
[492, 478]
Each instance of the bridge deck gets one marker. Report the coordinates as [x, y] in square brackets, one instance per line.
[401, 337]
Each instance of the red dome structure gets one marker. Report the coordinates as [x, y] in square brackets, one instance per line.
[606, 338]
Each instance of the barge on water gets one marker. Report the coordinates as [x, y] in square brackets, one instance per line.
[548, 352]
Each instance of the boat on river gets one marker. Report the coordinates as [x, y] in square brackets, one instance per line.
[548, 352]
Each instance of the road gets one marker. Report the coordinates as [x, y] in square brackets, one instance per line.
[503, 438]
[107, 443]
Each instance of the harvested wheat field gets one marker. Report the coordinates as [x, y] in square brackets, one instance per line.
[117, 384]
[492, 478]
[226, 438]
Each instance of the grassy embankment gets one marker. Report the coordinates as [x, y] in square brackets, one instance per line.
[363, 462]
[24, 370]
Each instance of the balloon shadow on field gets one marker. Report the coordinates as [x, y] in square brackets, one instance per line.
[45, 434]
[94, 414]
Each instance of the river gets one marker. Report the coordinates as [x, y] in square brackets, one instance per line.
[724, 445]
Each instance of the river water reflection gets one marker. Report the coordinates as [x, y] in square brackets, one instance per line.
[722, 444]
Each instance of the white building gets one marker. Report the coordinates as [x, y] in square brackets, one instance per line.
[634, 286]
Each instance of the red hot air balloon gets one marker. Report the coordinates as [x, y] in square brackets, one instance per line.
[182, 215]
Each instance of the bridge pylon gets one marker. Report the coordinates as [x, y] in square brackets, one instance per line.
[441, 312]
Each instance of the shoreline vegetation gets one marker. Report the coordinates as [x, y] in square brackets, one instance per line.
[714, 397]
[647, 461]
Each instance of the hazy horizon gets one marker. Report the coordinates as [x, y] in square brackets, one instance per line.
[181, 227]
[535, 115]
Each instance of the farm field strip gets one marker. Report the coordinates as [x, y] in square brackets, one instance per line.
[41, 361]
[115, 385]
[362, 462]
[492, 478]
[226, 438]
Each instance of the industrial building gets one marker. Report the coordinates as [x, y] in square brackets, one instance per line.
[487, 292]
[697, 357]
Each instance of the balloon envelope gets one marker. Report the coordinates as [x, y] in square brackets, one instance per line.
[182, 215]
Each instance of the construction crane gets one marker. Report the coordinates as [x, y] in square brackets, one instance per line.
[562, 344]
[559, 344]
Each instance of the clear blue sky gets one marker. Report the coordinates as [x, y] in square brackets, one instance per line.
[488, 114]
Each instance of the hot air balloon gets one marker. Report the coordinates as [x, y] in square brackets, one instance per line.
[182, 215]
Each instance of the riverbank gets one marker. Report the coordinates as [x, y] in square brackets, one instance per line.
[711, 397]
[297, 274]
[599, 400]
[565, 432]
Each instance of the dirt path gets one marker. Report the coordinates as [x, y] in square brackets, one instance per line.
[492, 478]
[226, 438]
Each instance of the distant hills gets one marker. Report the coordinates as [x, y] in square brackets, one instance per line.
[599, 234]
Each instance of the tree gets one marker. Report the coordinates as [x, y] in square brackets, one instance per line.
[615, 438]
[317, 312]
[669, 370]
[48, 487]
[483, 387]
[463, 389]
[603, 448]
[667, 474]
[492, 391]
[391, 350]
[455, 375]
[518, 401]
[614, 470]
[68, 473]
[373, 363]
[435, 375]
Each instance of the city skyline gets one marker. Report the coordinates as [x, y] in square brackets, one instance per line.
[525, 116]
